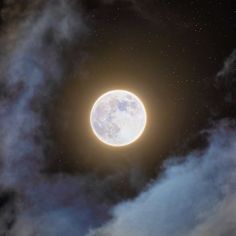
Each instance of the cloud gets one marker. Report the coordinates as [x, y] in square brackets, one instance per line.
[7, 212]
[32, 67]
[226, 78]
[196, 197]
[32, 71]
[229, 66]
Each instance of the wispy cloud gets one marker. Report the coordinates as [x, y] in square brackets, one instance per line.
[31, 69]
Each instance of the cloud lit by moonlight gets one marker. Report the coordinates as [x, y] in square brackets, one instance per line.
[118, 118]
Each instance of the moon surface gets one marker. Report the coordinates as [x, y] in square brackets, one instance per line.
[118, 118]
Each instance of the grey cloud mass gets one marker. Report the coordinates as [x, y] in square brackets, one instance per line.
[196, 197]
[30, 71]
[27, 76]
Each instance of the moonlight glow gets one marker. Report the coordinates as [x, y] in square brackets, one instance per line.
[118, 118]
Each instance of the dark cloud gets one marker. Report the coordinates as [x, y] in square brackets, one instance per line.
[7, 211]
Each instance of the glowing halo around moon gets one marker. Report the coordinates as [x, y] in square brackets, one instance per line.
[118, 118]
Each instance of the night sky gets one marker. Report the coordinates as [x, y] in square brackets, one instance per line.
[57, 57]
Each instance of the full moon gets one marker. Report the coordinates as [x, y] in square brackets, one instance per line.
[118, 118]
